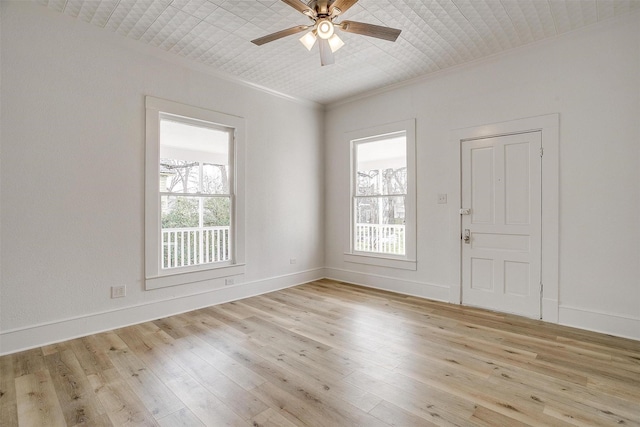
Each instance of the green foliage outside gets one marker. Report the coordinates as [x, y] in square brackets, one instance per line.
[182, 212]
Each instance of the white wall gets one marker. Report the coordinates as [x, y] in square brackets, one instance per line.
[592, 79]
[72, 179]
[72, 173]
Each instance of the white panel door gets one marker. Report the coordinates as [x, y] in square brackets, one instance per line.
[501, 234]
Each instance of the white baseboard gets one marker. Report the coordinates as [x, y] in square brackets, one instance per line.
[606, 323]
[392, 284]
[20, 339]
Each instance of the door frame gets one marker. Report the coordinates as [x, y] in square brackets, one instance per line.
[549, 127]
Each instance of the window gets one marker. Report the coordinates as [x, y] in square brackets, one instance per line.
[194, 224]
[383, 196]
[195, 192]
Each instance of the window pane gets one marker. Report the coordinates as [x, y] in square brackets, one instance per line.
[185, 147]
[217, 212]
[179, 212]
[382, 166]
[380, 225]
[179, 176]
[186, 240]
[215, 179]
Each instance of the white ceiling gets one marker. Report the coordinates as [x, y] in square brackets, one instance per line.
[436, 34]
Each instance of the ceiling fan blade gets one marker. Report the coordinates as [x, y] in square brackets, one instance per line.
[377, 31]
[343, 5]
[280, 34]
[299, 6]
[326, 55]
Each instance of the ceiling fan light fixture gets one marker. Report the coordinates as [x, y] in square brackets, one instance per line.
[308, 40]
[335, 43]
[325, 29]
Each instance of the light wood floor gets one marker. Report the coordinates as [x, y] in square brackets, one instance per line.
[328, 354]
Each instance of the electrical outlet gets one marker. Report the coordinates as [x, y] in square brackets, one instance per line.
[442, 199]
[228, 282]
[118, 291]
[293, 261]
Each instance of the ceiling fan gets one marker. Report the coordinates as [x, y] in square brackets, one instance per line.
[323, 14]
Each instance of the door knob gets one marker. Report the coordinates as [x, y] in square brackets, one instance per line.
[467, 236]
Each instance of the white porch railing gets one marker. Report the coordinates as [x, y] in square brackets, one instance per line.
[382, 238]
[192, 246]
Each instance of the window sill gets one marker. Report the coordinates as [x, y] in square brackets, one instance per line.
[381, 261]
[183, 278]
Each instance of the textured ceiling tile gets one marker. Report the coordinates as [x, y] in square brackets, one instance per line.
[73, 8]
[88, 10]
[547, 26]
[561, 18]
[197, 8]
[436, 34]
[482, 18]
[518, 13]
[207, 30]
[467, 32]
[249, 31]
[446, 26]
[583, 13]
[226, 20]
[102, 12]
[57, 5]
[138, 17]
[503, 24]
[169, 28]
[196, 48]
[245, 8]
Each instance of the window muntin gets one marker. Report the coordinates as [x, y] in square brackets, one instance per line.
[379, 194]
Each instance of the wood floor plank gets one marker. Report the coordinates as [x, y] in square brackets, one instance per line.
[487, 418]
[74, 392]
[122, 405]
[322, 382]
[213, 380]
[236, 372]
[329, 354]
[535, 385]
[203, 404]
[28, 362]
[91, 358]
[8, 409]
[310, 410]
[271, 418]
[182, 418]
[430, 403]
[37, 402]
[154, 394]
[394, 416]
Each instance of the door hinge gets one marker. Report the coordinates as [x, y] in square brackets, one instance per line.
[541, 151]
[541, 289]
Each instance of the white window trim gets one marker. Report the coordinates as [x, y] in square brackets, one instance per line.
[407, 261]
[155, 276]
